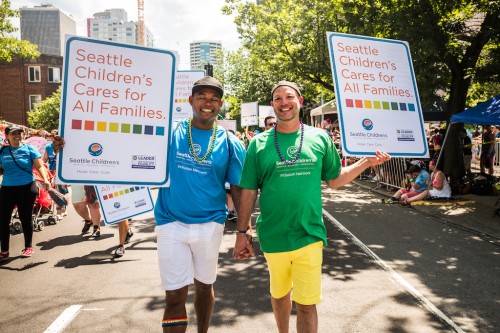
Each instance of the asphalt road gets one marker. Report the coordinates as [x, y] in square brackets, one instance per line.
[386, 269]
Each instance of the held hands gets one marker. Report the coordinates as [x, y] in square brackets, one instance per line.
[243, 246]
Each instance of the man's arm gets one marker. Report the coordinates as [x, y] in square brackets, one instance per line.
[242, 246]
[349, 173]
[235, 195]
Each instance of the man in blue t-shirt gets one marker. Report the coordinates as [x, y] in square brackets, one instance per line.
[191, 212]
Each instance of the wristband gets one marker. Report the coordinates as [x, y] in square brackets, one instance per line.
[242, 231]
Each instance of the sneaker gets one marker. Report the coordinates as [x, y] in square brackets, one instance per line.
[232, 217]
[120, 251]
[387, 201]
[97, 231]
[86, 226]
[27, 252]
[4, 255]
[129, 235]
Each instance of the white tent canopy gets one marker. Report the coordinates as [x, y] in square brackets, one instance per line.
[329, 107]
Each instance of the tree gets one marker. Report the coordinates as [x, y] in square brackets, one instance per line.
[46, 114]
[10, 46]
[455, 44]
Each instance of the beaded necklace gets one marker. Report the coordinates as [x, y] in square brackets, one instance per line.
[292, 162]
[211, 144]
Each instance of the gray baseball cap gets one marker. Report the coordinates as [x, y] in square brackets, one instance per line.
[290, 84]
[208, 82]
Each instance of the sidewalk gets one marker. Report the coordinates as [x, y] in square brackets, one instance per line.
[473, 213]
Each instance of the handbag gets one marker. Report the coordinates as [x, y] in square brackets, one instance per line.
[35, 188]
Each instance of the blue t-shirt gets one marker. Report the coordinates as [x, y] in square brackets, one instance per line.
[421, 180]
[49, 149]
[12, 174]
[196, 193]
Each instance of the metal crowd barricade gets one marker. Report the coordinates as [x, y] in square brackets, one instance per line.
[392, 173]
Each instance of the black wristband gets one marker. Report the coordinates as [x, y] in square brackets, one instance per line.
[242, 231]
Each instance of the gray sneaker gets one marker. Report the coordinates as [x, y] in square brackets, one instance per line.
[120, 251]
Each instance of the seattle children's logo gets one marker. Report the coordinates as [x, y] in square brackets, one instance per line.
[292, 151]
[95, 149]
[367, 124]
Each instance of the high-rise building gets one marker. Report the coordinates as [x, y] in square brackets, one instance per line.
[46, 26]
[113, 25]
[203, 52]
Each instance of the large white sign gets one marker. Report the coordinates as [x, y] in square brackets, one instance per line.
[228, 124]
[265, 111]
[249, 114]
[184, 81]
[116, 113]
[377, 96]
[119, 202]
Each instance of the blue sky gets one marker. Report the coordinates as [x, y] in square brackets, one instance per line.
[174, 23]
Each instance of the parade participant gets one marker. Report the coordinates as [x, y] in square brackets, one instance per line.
[124, 235]
[191, 212]
[19, 187]
[84, 199]
[287, 164]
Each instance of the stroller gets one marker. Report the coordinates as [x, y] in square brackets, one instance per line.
[46, 203]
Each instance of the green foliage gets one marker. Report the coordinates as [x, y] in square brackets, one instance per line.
[46, 114]
[454, 44]
[10, 46]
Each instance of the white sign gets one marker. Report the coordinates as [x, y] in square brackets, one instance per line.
[116, 113]
[377, 96]
[184, 81]
[228, 125]
[119, 202]
[265, 111]
[249, 114]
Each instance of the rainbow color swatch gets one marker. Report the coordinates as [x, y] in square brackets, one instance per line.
[101, 126]
[379, 105]
[122, 192]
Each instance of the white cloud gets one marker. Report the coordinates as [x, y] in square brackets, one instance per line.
[174, 23]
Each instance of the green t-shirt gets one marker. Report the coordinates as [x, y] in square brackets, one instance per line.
[290, 198]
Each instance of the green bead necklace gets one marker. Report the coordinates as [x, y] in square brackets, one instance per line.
[211, 146]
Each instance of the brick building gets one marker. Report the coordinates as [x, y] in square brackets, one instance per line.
[24, 83]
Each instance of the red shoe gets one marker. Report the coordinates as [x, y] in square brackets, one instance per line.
[27, 252]
[4, 255]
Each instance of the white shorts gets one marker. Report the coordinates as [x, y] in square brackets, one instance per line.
[187, 252]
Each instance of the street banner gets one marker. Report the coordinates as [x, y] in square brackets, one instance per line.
[121, 202]
[377, 97]
[265, 111]
[116, 113]
[184, 81]
[249, 114]
[228, 124]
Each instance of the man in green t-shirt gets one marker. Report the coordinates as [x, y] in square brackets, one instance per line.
[287, 164]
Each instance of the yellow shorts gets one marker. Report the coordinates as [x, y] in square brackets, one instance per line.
[299, 270]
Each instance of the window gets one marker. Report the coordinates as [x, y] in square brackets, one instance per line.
[34, 74]
[54, 75]
[34, 100]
